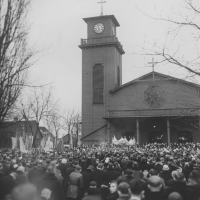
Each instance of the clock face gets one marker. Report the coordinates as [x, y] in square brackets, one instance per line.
[99, 28]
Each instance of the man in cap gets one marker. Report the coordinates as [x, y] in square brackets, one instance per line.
[87, 175]
[93, 189]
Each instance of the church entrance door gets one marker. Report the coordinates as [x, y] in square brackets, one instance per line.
[185, 136]
[155, 136]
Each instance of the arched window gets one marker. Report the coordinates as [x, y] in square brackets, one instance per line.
[98, 83]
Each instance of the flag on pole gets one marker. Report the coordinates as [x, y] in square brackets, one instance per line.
[71, 141]
[60, 146]
[22, 146]
[47, 145]
[17, 135]
[14, 142]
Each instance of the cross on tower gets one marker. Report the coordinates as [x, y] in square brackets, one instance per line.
[153, 64]
[102, 6]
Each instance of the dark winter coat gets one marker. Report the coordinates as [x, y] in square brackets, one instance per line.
[21, 178]
[165, 175]
[194, 192]
[111, 175]
[69, 170]
[49, 186]
[98, 176]
[7, 183]
[62, 167]
[143, 165]
[125, 197]
[181, 188]
[113, 196]
[149, 195]
[87, 176]
[35, 174]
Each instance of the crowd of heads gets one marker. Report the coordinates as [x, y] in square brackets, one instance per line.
[142, 168]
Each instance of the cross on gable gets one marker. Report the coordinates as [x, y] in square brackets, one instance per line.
[101, 2]
[153, 64]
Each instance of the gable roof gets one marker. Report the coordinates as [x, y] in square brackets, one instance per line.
[165, 77]
[31, 127]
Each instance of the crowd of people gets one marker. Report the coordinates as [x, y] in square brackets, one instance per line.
[102, 172]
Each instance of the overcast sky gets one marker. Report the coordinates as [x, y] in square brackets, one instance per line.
[57, 27]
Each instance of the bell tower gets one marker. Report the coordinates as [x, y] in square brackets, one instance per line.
[101, 72]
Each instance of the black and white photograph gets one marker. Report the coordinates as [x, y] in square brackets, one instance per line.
[99, 100]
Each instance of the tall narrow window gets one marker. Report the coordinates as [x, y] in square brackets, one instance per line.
[98, 83]
[118, 76]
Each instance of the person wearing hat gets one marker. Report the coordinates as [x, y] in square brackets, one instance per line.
[87, 176]
[98, 175]
[165, 173]
[92, 191]
[75, 189]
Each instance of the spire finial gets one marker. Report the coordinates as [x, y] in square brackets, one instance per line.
[153, 64]
[101, 2]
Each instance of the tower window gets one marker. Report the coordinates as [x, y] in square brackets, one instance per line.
[98, 83]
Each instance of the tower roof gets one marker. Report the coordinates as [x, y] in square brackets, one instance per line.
[103, 17]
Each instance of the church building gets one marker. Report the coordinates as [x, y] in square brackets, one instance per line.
[151, 108]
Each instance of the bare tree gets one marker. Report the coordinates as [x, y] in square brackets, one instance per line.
[57, 126]
[14, 54]
[39, 105]
[174, 50]
[71, 120]
[77, 124]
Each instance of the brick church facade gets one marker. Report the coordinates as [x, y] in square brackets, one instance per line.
[151, 108]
